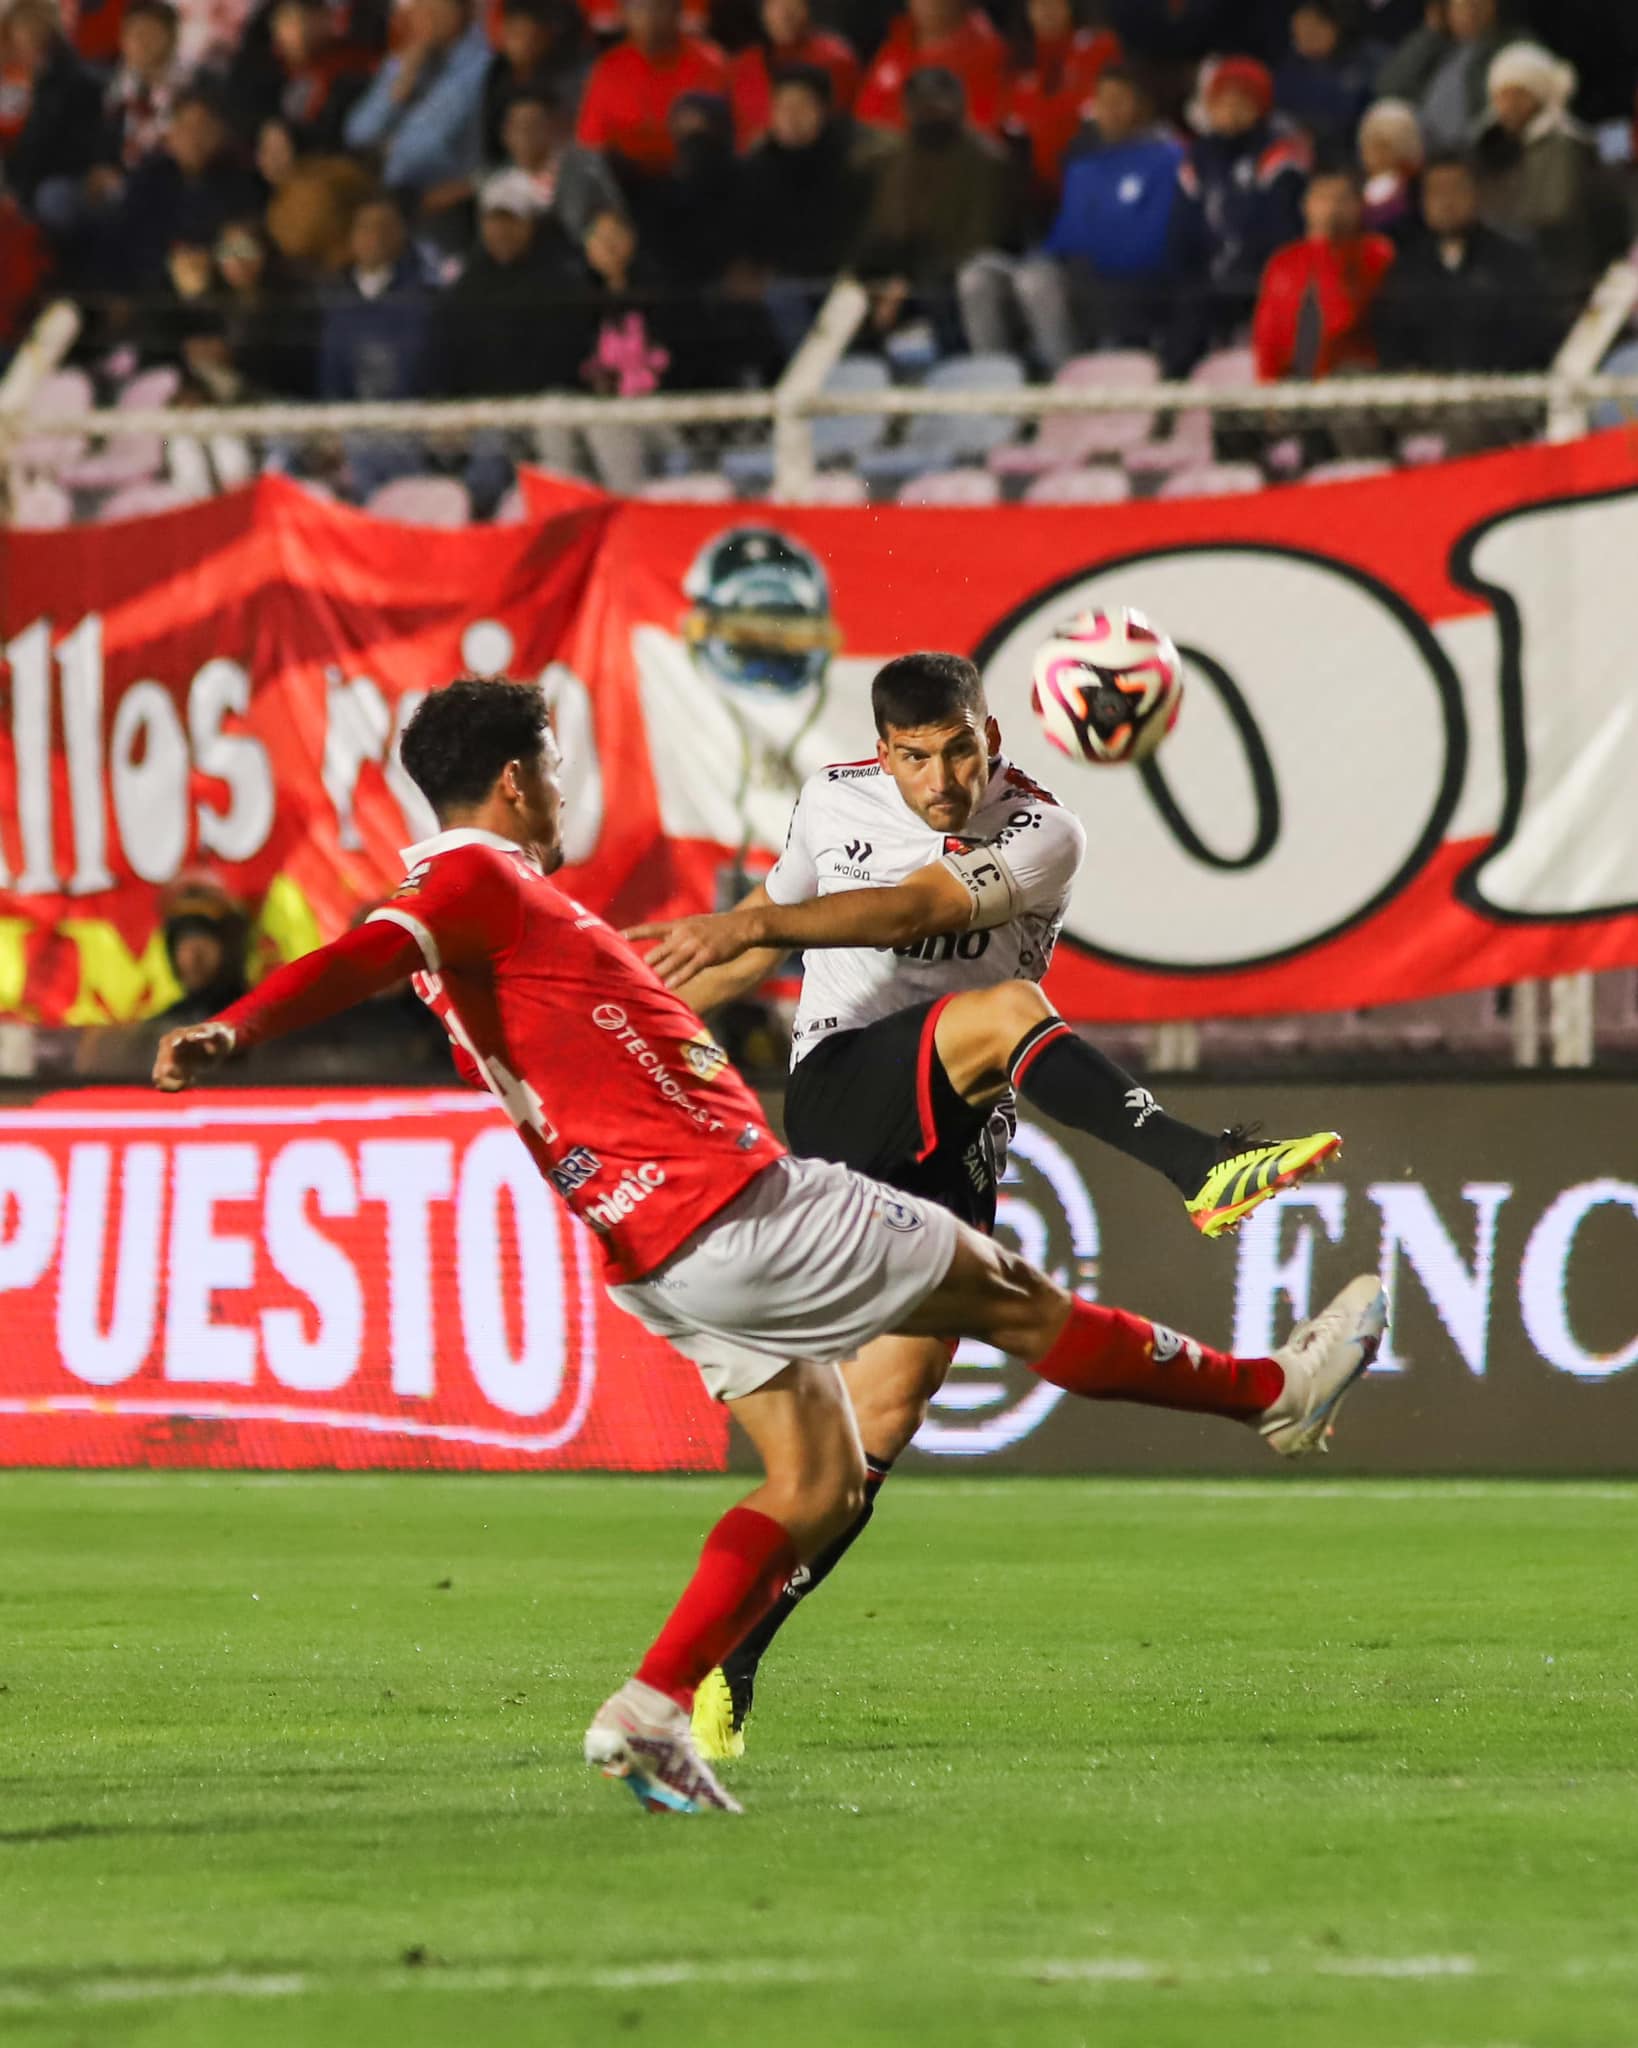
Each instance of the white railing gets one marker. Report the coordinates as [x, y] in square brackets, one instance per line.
[1562, 396]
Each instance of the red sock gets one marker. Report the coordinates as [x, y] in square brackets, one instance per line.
[747, 1558]
[1108, 1355]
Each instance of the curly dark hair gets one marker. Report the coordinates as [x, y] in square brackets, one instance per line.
[457, 744]
[925, 689]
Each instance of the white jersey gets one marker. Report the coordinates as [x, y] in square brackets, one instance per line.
[851, 829]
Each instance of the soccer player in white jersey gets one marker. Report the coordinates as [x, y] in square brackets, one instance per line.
[926, 889]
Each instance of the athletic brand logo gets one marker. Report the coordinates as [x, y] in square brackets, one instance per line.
[747, 1139]
[628, 1192]
[574, 1169]
[609, 1017]
[858, 850]
[1142, 1106]
[900, 1216]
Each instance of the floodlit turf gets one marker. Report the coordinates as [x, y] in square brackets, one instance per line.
[296, 1762]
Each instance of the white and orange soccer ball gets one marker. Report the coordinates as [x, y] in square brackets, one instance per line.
[1107, 687]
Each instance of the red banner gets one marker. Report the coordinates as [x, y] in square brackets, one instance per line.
[309, 1280]
[1405, 763]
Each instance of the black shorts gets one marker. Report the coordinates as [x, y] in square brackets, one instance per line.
[878, 1100]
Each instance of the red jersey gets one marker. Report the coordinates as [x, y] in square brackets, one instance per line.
[629, 98]
[1049, 101]
[753, 71]
[625, 1102]
[974, 52]
[1314, 307]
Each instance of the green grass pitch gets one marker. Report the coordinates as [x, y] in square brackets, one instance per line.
[296, 1762]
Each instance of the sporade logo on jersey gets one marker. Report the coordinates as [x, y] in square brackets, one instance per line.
[574, 1169]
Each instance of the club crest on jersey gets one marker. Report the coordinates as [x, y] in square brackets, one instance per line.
[900, 1216]
[1165, 1345]
[704, 1056]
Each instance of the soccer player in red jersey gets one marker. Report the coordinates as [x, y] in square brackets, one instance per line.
[764, 1269]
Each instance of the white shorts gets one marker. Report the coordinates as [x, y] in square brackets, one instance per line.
[810, 1261]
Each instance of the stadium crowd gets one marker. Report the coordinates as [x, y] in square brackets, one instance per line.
[362, 199]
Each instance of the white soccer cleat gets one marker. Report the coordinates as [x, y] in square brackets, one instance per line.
[643, 1737]
[1322, 1359]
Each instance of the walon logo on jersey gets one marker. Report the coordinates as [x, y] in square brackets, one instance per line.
[989, 1401]
[858, 851]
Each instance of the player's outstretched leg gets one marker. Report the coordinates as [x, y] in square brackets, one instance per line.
[802, 1426]
[890, 1384]
[1290, 1397]
[1010, 1035]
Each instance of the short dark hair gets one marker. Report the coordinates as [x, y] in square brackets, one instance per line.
[461, 737]
[1451, 160]
[925, 689]
[812, 78]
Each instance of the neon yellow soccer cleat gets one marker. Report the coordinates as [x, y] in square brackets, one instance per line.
[715, 1736]
[1248, 1174]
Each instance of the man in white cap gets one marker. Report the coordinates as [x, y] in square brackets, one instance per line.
[1540, 176]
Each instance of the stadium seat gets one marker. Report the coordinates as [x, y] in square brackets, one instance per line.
[1213, 480]
[1066, 439]
[837, 439]
[1346, 470]
[40, 505]
[1417, 451]
[946, 440]
[64, 391]
[440, 501]
[1104, 485]
[694, 487]
[1615, 412]
[832, 487]
[1190, 441]
[966, 486]
[128, 458]
[140, 500]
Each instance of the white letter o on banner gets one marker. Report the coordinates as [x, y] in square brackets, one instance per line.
[525, 1382]
[1544, 1276]
[1316, 706]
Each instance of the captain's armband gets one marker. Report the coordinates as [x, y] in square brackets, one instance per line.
[988, 881]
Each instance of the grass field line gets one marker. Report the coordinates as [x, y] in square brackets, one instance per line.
[749, 1974]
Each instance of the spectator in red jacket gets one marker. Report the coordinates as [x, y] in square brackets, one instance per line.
[942, 35]
[789, 42]
[1055, 67]
[1314, 309]
[632, 89]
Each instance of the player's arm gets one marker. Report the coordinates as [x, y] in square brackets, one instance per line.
[361, 963]
[963, 891]
[731, 979]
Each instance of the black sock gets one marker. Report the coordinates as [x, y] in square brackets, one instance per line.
[1075, 1084]
[740, 1666]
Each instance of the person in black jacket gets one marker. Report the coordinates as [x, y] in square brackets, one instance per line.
[296, 67]
[1462, 297]
[542, 53]
[184, 193]
[806, 191]
[501, 328]
[52, 128]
